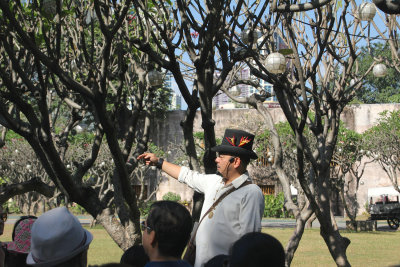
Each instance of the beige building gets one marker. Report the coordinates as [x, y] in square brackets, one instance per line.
[356, 117]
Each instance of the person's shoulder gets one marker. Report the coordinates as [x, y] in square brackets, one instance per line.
[254, 192]
[183, 263]
[254, 188]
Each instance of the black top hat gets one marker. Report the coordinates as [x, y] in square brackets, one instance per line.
[237, 142]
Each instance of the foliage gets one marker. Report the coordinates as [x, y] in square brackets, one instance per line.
[77, 209]
[274, 206]
[13, 207]
[172, 197]
[11, 135]
[383, 138]
[144, 208]
[156, 150]
[378, 90]
[82, 138]
[383, 144]
[76, 64]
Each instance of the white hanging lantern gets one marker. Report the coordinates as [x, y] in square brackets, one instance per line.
[50, 6]
[275, 63]
[366, 11]
[379, 70]
[246, 37]
[155, 78]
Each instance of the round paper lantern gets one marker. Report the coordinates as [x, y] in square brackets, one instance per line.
[366, 11]
[275, 63]
[379, 70]
[155, 78]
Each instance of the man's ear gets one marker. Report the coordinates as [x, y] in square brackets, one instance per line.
[236, 162]
[152, 238]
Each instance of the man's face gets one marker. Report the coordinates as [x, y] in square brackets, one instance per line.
[146, 240]
[223, 164]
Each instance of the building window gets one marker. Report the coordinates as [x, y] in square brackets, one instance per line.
[267, 189]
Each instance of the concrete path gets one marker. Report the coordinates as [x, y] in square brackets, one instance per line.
[290, 223]
[266, 222]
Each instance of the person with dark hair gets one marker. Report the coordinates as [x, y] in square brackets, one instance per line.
[166, 232]
[17, 250]
[112, 265]
[233, 206]
[135, 256]
[217, 261]
[257, 250]
[59, 240]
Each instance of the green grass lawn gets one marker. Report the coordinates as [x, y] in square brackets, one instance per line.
[366, 249]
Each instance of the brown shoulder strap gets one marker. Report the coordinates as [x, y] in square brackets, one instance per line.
[217, 202]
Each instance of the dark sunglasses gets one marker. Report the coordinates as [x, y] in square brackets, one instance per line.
[143, 226]
[4, 216]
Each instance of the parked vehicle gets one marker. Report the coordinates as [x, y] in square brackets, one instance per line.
[384, 205]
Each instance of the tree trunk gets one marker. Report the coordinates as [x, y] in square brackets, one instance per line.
[190, 147]
[337, 244]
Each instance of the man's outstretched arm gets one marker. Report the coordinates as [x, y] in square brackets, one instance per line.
[169, 168]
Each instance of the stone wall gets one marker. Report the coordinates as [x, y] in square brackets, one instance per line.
[356, 117]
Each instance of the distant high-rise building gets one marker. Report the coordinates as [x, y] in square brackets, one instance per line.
[222, 101]
[175, 99]
[168, 81]
[176, 102]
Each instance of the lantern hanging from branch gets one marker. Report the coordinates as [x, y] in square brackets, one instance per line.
[155, 78]
[379, 70]
[366, 11]
[275, 63]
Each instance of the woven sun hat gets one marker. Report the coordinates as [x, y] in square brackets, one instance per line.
[57, 236]
[237, 142]
[22, 235]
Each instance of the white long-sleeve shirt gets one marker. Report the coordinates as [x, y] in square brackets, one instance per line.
[237, 214]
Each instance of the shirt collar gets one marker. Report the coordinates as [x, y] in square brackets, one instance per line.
[241, 179]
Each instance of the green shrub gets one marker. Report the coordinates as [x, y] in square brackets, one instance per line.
[172, 197]
[12, 207]
[77, 209]
[274, 206]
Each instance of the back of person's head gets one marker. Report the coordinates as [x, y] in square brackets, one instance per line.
[112, 265]
[58, 239]
[217, 261]
[257, 249]
[172, 225]
[135, 256]
[18, 248]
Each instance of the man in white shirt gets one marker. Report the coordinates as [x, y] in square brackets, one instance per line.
[238, 213]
